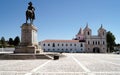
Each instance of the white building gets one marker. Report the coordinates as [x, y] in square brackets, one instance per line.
[62, 46]
[84, 42]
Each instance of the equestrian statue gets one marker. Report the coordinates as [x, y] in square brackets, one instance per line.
[30, 13]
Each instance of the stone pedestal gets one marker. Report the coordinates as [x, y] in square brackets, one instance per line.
[29, 42]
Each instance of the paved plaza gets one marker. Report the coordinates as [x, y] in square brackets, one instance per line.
[68, 64]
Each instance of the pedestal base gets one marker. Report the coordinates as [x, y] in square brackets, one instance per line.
[23, 56]
[27, 49]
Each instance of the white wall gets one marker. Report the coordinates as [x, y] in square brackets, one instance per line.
[5, 50]
[63, 46]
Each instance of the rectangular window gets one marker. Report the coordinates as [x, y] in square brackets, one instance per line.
[103, 42]
[98, 42]
[48, 49]
[81, 45]
[58, 44]
[74, 44]
[88, 42]
[66, 44]
[43, 44]
[48, 44]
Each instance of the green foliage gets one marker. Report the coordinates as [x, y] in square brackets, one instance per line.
[3, 43]
[2, 40]
[110, 41]
[16, 41]
[11, 42]
[117, 44]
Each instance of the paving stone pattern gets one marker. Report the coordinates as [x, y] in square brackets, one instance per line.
[71, 64]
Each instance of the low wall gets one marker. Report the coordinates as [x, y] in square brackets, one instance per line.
[2, 50]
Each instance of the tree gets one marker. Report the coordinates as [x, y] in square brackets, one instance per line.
[110, 41]
[3, 43]
[16, 41]
[11, 42]
[117, 44]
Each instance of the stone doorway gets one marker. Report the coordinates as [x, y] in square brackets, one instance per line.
[96, 50]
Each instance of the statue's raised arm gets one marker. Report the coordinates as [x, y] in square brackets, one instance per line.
[30, 13]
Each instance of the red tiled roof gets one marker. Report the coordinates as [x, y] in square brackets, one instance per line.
[60, 41]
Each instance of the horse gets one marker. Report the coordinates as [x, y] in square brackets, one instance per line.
[30, 15]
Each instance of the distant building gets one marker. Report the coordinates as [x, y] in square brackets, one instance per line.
[84, 42]
[93, 43]
[69, 46]
[117, 48]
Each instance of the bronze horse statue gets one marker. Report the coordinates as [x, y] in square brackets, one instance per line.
[30, 13]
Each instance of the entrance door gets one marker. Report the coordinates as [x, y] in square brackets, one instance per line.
[96, 50]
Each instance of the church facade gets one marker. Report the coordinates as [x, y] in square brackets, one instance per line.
[93, 43]
[83, 42]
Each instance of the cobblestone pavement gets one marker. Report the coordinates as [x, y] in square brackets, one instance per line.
[71, 64]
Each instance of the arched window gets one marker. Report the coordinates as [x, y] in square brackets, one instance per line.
[103, 42]
[53, 44]
[88, 33]
[81, 45]
[93, 42]
[103, 33]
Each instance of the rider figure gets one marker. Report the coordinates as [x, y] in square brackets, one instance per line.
[31, 8]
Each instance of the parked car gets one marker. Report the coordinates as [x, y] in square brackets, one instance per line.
[117, 52]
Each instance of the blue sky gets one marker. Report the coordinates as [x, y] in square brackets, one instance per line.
[60, 19]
